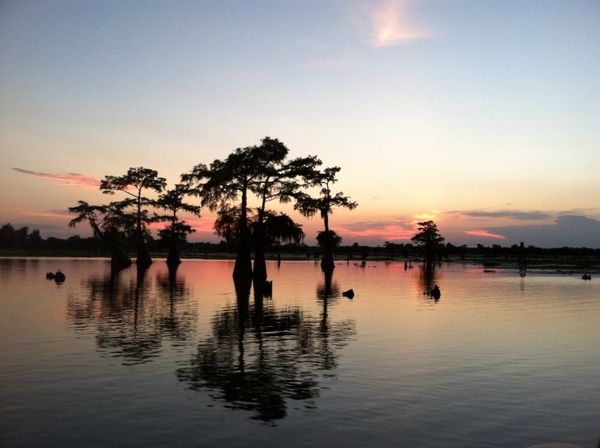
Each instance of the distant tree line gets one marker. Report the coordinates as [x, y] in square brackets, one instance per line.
[22, 241]
[21, 238]
[492, 252]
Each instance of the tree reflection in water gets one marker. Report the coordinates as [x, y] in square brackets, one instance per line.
[427, 278]
[260, 356]
[131, 319]
[176, 321]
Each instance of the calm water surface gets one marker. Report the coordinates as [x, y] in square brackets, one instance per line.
[498, 361]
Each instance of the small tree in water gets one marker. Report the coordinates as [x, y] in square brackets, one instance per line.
[176, 231]
[279, 180]
[280, 228]
[324, 205]
[134, 184]
[261, 170]
[221, 183]
[109, 227]
[428, 237]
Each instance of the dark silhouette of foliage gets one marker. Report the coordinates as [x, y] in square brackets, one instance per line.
[429, 238]
[279, 180]
[109, 225]
[277, 228]
[18, 242]
[221, 183]
[13, 238]
[324, 205]
[176, 231]
[280, 228]
[226, 224]
[135, 183]
[328, 238]
[261, 170]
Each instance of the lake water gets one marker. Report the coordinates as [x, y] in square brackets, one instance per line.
[498, 361]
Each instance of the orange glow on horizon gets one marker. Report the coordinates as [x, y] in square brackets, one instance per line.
[427, 216]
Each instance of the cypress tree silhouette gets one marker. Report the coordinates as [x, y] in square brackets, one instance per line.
[324, 205]
[108, 226]
[176, 231]
[429, 238]
[135, 183]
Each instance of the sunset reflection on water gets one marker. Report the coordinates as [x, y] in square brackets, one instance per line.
[498, 360]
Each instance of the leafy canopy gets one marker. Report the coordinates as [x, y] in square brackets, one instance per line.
[428, 235]
[326, 201]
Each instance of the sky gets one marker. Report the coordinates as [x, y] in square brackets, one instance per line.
[481, 115]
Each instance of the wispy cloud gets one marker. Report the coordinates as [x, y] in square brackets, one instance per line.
[48, 214]
[518, 215]
[64, 178]
[485, 234]
[389, 22]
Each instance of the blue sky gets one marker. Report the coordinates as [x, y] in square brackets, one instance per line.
[429, 107]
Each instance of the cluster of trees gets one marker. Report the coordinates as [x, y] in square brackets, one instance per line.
[227, 186]
[492, 252]
[21, 238]
[429, 239]
[14, 242]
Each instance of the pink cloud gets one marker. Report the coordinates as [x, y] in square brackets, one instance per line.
[485, 234]
[387, 232]
[388, 23]
[64, 178]
[202, 224]
[48, 214]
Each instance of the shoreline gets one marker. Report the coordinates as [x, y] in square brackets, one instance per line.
[488, 265]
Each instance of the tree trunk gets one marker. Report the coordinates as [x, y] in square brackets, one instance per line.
[260, 265]
[429, 255]
[119, 260]
[143, 259]
[243, 259]
[327, 263]
[173, 259]
[242, 293]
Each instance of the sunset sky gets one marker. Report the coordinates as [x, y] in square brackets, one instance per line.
[481, 115]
